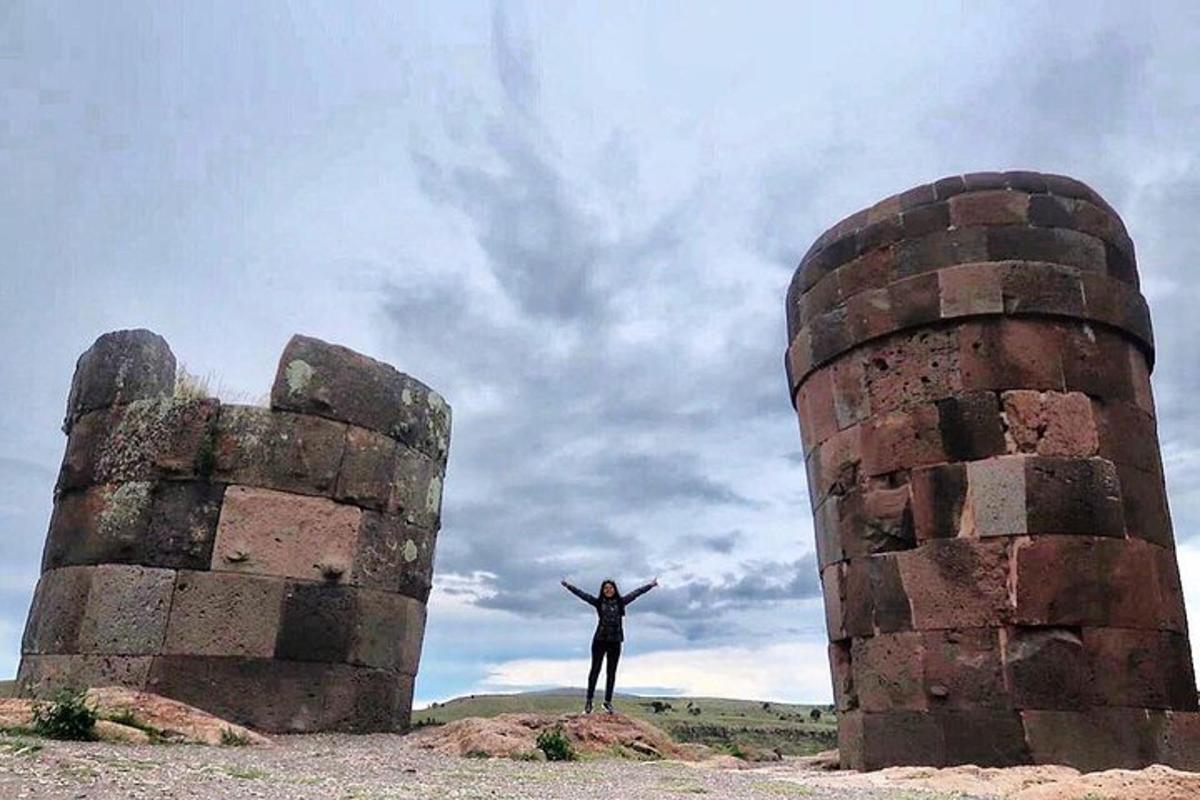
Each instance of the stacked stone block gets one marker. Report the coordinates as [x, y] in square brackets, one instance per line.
[270, 565]
[970, 363]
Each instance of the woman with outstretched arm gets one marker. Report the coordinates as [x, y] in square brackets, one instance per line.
[610, 632]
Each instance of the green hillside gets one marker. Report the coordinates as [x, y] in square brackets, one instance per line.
[718, 722]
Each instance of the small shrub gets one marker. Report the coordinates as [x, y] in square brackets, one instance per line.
[67, 716]
[126, 717]
[231, 738]
[815, 714]
[191, 387]
[555, 744]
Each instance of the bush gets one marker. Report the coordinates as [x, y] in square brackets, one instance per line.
[231, 738]
[67, 716]
[555, 744]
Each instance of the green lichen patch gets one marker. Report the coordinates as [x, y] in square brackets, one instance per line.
[299, 374]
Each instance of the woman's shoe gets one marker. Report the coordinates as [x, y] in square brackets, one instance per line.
[587, 707]
[608, 707]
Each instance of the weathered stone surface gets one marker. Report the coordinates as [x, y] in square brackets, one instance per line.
[963, 669]
[224, 614]
[1095, 739]
[275, 450]
[318, 622]
[1050, 423]
[1143, 669]
[387, 633]
[319, 378]
[889, 672]
[1010, 354]
[165, 437]
[996, 492]
[1073, 495]
[956, 583]
[126, 611]
[305, 696]
[57, 611]
[264, 532]
[367, 469]
[845, 695]
[46, 675]
[1046, 667]
[165, 524]
[938, 494]
[392, 555]
[120, 367]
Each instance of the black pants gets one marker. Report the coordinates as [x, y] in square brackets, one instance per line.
[611, 651]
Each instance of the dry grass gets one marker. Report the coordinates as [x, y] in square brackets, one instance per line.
[191, 386]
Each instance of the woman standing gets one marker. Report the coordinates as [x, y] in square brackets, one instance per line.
[610, 632]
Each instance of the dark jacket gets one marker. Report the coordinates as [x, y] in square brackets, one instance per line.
[609, 610]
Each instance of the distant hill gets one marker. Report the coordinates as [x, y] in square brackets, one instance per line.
[719, 722]
[6, 688]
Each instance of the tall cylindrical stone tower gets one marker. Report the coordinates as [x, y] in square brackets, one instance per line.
[268, 564]
[970, 364]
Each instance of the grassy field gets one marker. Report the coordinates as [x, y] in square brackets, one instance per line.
[6, 688]
[719, 722]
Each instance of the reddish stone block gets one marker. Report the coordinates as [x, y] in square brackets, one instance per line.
[982, 181]
[1096, 361]
[1127, 435]
[885, 209]
[126, 611]
[1143, 395]
[858, 600]
[869, 315]
[1045, 667]
[835, 521]
[996, 498]
[315, 377]
[999, 207]
[1010, 354]
[835, 464]
[1052, 245]
[1179, 741]
[850, 740]
[851, 404]
[56, 613]
[912, 368]
[888, 672]
[44, 676]
[387, 631]
[886, 523]
[88, 435]
[970, 426]
[916, 300]
[1050, 423]
[1115, 582]
[1142, 669]
[891, 608]
[926, 219]
[823, 297]
[275, 450]
[983, 737]
[1116, 738]
[798, 360]
[1144, 504]
[949, 187]
[833, 589]
[874, 269]
[368, 700]
[956, 583]
[970, 289]
[901, 737]
[916, 196]
[224, 614]
[264, 532]
[938, 495]
[830, 336]
[1037, 288]
[814, 403]
[963, 669]
[845, 698]
[1119, 264]
[1073, 495]
[1048, 211]
[1025, 181]
[120, 367]
[941, 249]
[901, 440]
[394, 556]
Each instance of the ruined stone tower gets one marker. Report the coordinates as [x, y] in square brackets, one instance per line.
[270, 565]
[970, 364]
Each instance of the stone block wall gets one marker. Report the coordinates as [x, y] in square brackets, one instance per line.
[970, 363]
[270, 565]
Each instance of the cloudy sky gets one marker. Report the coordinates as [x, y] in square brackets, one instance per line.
[577, 222]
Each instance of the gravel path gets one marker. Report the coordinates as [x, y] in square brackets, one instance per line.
[381, 767]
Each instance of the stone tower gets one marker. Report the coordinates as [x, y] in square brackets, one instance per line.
[270, 565]
[970, 364]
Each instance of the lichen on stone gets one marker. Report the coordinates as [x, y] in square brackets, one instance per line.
[126, 506]
[299, 374]
[410, 551]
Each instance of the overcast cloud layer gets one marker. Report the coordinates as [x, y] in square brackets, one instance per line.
[577, 222]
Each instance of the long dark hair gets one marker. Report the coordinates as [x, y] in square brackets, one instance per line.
[616, 593]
